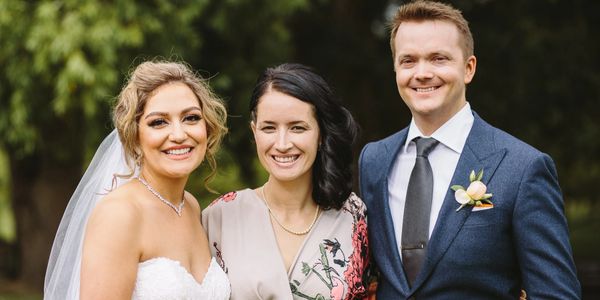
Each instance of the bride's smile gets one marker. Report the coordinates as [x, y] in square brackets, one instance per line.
[172, 131]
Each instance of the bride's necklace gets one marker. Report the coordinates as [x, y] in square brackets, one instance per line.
[281, 225]
[177, 209]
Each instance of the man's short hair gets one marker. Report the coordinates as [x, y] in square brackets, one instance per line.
[422, 10]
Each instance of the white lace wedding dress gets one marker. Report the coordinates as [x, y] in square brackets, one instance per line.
[164, 278]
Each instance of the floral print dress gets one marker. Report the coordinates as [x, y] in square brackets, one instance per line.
[332, 262]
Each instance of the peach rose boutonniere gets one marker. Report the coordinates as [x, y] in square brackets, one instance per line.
[475, 194]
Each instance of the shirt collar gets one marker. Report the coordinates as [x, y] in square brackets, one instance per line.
[452, 134]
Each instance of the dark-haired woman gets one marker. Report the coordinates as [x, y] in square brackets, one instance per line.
[301, 235]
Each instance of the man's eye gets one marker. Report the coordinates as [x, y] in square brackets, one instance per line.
[406, 62]
[440, 59]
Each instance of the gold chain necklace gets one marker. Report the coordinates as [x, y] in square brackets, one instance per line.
[280, 224]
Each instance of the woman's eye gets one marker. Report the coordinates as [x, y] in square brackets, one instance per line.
[157, 123]
[268, 128]
[192, 118]
[298, 129]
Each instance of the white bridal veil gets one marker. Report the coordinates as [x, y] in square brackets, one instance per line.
[62, 274]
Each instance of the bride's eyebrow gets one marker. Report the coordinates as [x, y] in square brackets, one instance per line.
[187, 110]
[155, 113]
[163, 114]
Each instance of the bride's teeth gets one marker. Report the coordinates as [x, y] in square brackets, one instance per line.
[285, 159]
[425, 90]
[179, 151]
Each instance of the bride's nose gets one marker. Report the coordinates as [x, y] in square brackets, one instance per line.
[178, 133]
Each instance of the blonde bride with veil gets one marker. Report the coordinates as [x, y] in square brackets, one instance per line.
[130, 230]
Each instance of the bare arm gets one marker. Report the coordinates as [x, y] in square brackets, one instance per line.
[111, 250]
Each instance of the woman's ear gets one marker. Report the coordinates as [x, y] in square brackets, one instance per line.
[253, 127]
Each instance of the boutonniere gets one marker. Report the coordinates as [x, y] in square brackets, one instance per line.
[475, 194]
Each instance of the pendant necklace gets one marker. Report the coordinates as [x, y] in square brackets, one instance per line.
[281, 224]
[177, 209]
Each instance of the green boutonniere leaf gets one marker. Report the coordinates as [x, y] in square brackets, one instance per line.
[457, 187]
[479, 175]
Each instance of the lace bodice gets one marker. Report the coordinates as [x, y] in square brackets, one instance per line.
[164, 278]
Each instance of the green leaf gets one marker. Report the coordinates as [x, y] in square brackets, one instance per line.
[479, 175]
[472, 176]
[457, 187]
[305, 268]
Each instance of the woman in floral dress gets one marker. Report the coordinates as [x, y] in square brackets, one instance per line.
[303, 234]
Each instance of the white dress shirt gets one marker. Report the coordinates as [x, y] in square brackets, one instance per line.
[443, 159]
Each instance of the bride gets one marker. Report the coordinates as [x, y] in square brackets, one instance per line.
[130, 230]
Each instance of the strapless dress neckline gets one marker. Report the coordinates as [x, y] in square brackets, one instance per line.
[165, 278]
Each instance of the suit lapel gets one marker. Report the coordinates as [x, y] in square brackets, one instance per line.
[395, 271]
[479, 153]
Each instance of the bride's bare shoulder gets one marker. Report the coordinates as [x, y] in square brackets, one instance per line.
[120, 205]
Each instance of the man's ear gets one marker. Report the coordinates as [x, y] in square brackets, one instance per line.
[470, 66]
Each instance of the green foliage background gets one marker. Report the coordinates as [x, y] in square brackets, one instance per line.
[63, 62]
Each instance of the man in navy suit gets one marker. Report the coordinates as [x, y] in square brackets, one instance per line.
[481, 251]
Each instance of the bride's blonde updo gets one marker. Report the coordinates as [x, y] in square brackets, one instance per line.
[144, 80]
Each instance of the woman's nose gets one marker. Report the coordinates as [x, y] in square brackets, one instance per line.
[283, 142]
[178, 133]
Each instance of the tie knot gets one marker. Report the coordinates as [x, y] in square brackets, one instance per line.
[425, 145]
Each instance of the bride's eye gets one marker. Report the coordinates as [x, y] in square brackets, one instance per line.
[193, 118]
[157, 123]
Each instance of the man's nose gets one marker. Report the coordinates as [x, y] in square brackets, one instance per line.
[423, 71]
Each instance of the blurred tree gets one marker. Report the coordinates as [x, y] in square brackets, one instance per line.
[62, 62]
[7, 222]
[538, 78]
[347, 42]
[245, 37]
[537, 73]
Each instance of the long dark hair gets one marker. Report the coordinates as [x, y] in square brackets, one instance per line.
[332, 169]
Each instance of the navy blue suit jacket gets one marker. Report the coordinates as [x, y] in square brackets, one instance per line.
[521, 243]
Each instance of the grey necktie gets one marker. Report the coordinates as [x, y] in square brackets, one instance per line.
[417, 208]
